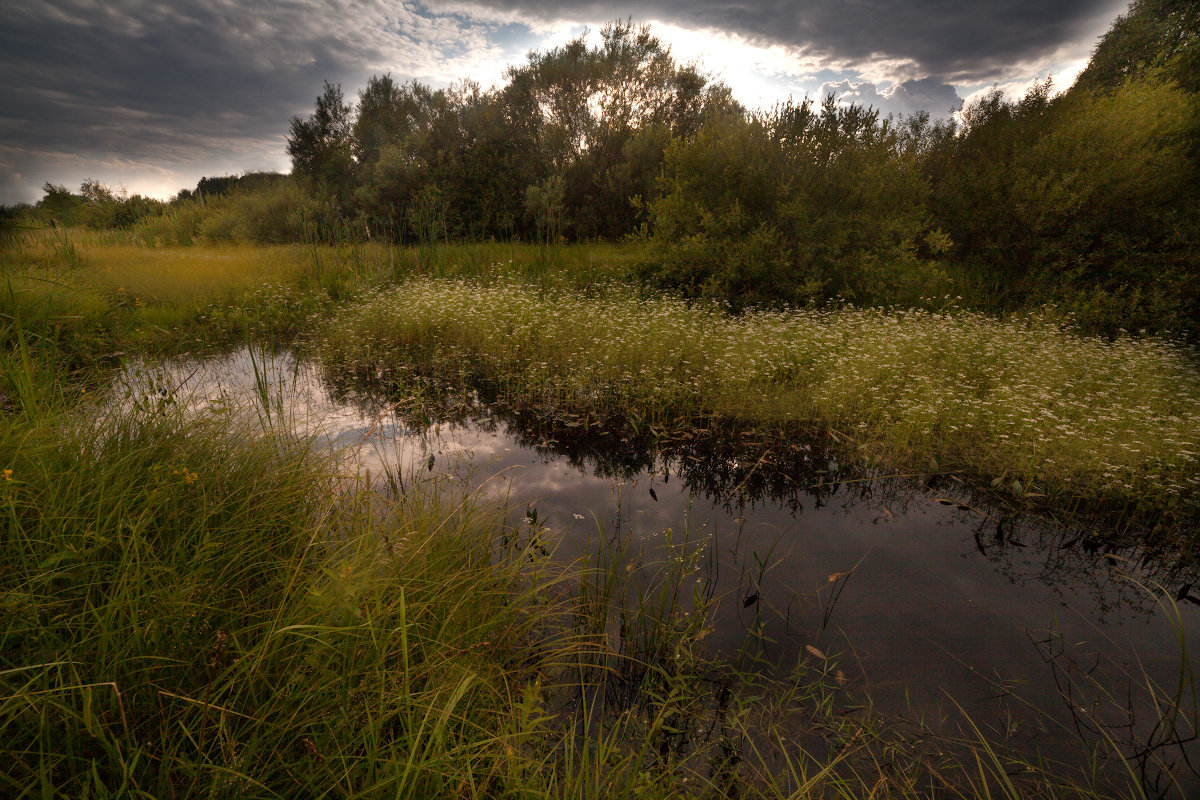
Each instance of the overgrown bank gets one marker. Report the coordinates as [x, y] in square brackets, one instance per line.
[1027, 404]
[1025, 401]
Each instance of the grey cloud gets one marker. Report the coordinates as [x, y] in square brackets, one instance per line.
[927, 94]
[171, 83]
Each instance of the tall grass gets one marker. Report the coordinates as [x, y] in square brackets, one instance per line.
[198, 606]
[173, 298]
[213, 268]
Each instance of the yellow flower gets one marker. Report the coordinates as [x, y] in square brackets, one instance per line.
[8, 474]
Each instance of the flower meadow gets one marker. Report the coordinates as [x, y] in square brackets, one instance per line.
[1025, 401]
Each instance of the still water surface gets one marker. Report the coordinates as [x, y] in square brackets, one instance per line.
[926, 605]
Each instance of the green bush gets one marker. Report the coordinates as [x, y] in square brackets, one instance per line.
[177, 226]
[793, 207]
[278, 214]
[1088, 198]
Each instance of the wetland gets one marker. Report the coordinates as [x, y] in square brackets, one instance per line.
[593, 435]
[489, 517]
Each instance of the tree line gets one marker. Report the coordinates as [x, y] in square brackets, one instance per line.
[1092, 192]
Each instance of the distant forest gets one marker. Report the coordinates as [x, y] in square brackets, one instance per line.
[1089, 198]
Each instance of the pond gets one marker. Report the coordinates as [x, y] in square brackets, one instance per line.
[928, 598]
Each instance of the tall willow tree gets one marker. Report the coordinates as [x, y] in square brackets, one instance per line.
[793, 206]
[601, 117]
[321, 145]
[1159, 35]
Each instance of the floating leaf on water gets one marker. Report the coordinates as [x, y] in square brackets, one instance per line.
[750, 600]
[834, 576]
[815, 652]
[653, 495]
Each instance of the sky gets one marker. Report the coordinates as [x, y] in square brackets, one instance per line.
[151, 95]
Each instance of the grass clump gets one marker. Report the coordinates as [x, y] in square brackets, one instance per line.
[1024, 401]
[190, 606]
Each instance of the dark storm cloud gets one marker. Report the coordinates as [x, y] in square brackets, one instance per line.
[959, 41]
[153, 84]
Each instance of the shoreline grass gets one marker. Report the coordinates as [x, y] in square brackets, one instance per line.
[1050, 416]
[190, 609]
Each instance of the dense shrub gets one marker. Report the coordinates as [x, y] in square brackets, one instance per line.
[795, 206]
[1089, 194]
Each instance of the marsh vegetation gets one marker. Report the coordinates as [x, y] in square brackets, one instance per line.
[204, 597]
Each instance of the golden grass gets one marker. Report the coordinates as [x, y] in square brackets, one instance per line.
[188, 274]
[116, 260]
[104, 262]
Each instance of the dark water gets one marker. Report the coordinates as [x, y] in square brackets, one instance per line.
[929, 600]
